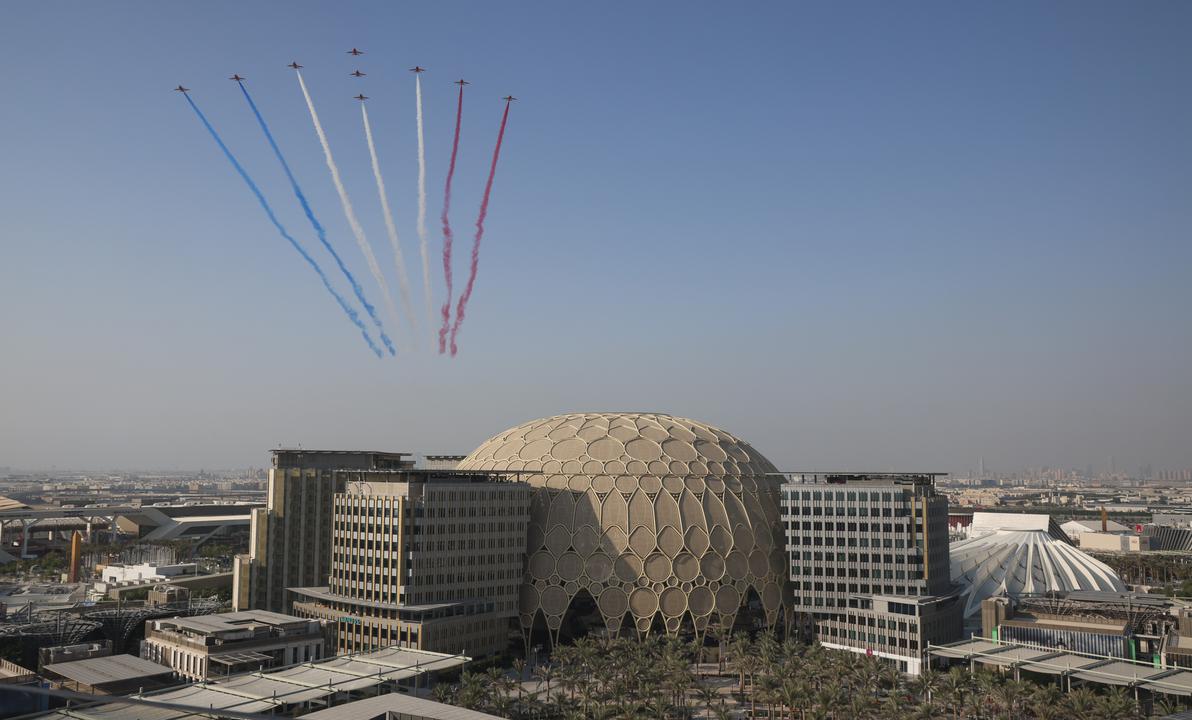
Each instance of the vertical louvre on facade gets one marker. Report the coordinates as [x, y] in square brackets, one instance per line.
[430, 560]
[291, 539]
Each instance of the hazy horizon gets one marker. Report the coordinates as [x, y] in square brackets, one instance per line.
[862, 235]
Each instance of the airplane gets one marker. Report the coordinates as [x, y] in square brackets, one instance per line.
[417, 69]
[237, 78]
[294, 65]
[461, 82]
[354, 51]
[181, 89]
[362, 97]
[357, 74]
[508, 98]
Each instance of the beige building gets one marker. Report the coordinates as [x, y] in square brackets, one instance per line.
[211, 646]
[642, 522]
[427, 559]
[1114, 542]
[290, 541]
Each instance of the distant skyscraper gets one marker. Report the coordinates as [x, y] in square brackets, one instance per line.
[980, 466]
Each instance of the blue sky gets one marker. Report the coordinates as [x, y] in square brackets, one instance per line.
[876, 235]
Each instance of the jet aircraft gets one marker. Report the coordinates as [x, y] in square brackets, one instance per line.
[354, 51]
[237, 78]
[294, 65]
[357, 73]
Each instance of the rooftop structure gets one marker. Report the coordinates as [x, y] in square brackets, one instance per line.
[291, 691]
[397, 705]
[109, 675]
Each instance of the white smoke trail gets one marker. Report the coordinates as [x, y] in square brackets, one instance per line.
[403, 282]
[422, 242]
[357, 230]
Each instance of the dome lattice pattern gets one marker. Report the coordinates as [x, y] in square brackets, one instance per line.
[656, 517]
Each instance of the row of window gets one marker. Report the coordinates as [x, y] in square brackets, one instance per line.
[873, 639]
[848, 495]
[858, 588]
[850, 511]
[887, 558]
[834, 541]
[820, 571]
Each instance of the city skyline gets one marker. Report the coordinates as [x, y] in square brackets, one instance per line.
[861, 236]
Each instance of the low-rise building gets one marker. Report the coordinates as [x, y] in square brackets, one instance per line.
[146, 572]
[111, 675]
[1114, 542]
[211, 646]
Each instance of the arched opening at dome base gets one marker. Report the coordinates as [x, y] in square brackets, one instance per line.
[581, 619]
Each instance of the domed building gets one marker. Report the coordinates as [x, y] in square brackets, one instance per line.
[660, 522]
[1016, 554]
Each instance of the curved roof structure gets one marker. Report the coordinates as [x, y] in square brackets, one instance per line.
[1011, 556]
[658, 518]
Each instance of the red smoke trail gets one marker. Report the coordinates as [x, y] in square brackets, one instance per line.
[488, 188]
[448, 237]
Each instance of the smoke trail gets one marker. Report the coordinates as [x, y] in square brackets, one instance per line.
[422, 242]
[448, 236]
[357, 230]
[351, 313]
[403, 284]
[318, 227]
[488, 187]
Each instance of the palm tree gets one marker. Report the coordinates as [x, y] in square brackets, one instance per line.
[1010, 695]
[443, 693]
[793, 693]
[925, 685]
[707, 695]
[956, 685]
[1116, 704]
[739, 649]
[1081, 702]
[544, 672]
[1046, 703]
[1167, 705]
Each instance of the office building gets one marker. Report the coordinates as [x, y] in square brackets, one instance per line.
[427, 559]
[211, 646]
[290, 541]
[869, 565]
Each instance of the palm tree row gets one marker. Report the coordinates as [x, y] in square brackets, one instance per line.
[607, 679]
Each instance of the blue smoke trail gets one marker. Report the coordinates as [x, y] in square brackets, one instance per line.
[273, 219]
[314, 223]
